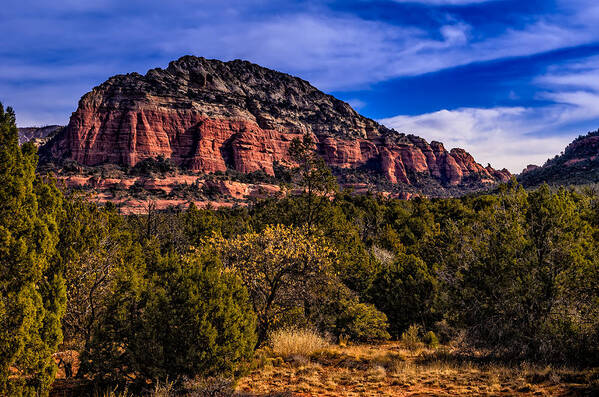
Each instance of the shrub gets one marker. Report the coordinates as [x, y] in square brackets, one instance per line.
[362, 322]
[431, 340]
[521, 278]
[149, 165]
[411, 338]
[288, 342]
[404, 291]
[170, 319]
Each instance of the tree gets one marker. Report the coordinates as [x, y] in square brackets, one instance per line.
[292, 277]
[199, 224]
[313, 177]
[32, 292]
[93, 243]
[354, 265]
[362, 322]
[405, 290]
[485, 278]
[513, 277]
[561, 250]
[171, 318]
[282, 268]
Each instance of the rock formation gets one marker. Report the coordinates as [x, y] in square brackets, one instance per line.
[38, 135]
[529, 167]
[209, 116]
[578, 164]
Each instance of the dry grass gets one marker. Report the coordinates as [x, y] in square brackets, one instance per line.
[390, 369]
[296, 342]
[397, 369]
[114, 393]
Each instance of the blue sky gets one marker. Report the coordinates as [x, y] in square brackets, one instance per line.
[510, 81]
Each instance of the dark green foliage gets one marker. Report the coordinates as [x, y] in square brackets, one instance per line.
[512, 277]
[515, 272]
[200, 224]
[153, 165]
[32, 291]
[404, 290]
[431, 340]
[362, 322]
[506, 268]
[171, 318]
[93, 243]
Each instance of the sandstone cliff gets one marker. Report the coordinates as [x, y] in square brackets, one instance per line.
[209, 116]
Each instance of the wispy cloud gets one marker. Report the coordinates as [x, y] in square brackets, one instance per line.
[357, 104]
[343, 52]
[444, 2]
[61, 49]
[517, 136]
[503, 137]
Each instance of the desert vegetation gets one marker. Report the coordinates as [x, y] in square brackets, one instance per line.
[322, 292]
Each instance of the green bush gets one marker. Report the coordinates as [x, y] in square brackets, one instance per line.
[173, 318]
[431, 340]
[521, 278]
[158, 165]
[362, 322]
[411, 337]
[404, 291]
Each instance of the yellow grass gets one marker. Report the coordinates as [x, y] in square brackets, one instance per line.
[289, 342]
[396, 369]
[388, 369]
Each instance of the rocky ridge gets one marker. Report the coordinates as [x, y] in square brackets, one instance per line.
[578, 164]
[38, 135]
[209, 116]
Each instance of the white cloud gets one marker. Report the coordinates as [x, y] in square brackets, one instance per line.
[336, 51]
[514, 137]
[356, 103]
[503, 137]
[331, 52]
[581, 74]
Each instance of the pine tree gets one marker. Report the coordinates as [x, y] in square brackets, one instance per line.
[32, 293]
[314, 177]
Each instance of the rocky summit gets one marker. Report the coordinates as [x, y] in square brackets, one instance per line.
[209, 116]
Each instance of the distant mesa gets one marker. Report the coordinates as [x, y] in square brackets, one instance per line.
[210, 116]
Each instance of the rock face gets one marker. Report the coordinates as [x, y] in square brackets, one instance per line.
[529, 167]
[577, 165]
[38, 135]
[208, 116]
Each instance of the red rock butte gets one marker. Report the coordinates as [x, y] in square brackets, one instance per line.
[207, 116]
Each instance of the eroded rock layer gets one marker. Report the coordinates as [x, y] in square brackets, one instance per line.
[208, 116]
